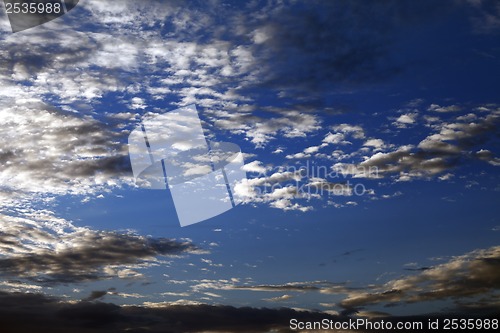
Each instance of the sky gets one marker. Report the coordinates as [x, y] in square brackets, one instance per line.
[370, 137]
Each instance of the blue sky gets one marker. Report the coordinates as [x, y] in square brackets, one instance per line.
[371, 145]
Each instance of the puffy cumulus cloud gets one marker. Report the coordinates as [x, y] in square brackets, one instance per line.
[405, 120]
[45, 249]
[375, 143]
[338, 135]
[268, 188]
[336, 138]
[403, 162]
[63, 67]
[475, 274]
[486, 155]
[355, 131]
[467, 133]
[255, 166]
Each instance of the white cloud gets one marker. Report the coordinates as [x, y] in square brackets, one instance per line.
[298, 156]
[444, 109]
[336, 138]
[375, 143]
[356, 131]
[255, 166]
[404, 120]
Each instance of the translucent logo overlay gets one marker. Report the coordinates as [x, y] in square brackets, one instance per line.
[170, 151]
[26, 14]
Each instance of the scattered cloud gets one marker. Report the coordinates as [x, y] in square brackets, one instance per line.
[255, 166]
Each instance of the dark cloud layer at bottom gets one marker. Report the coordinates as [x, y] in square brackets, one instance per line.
[21, 313]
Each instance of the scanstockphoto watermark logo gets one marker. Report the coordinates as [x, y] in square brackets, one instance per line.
[170, 151]
[26, 14]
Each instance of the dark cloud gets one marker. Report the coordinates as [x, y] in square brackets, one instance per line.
[486, 16]
[417, 269]
[317, 46]
[96, 294]
[284, 287]
[471, 275]
[49, 315]
[38, 313]
[93, 255]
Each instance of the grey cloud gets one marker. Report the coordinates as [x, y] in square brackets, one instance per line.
[447, 148]
[96, 294]
[313, 47]
[285, 287]
[404, 162]
[48, 314]
[312, 286]
[81, 255]
[262, 129]
[418, 269]
[88, 262]
[474, 274]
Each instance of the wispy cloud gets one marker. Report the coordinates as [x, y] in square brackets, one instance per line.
[45, 249]
[476, 273]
